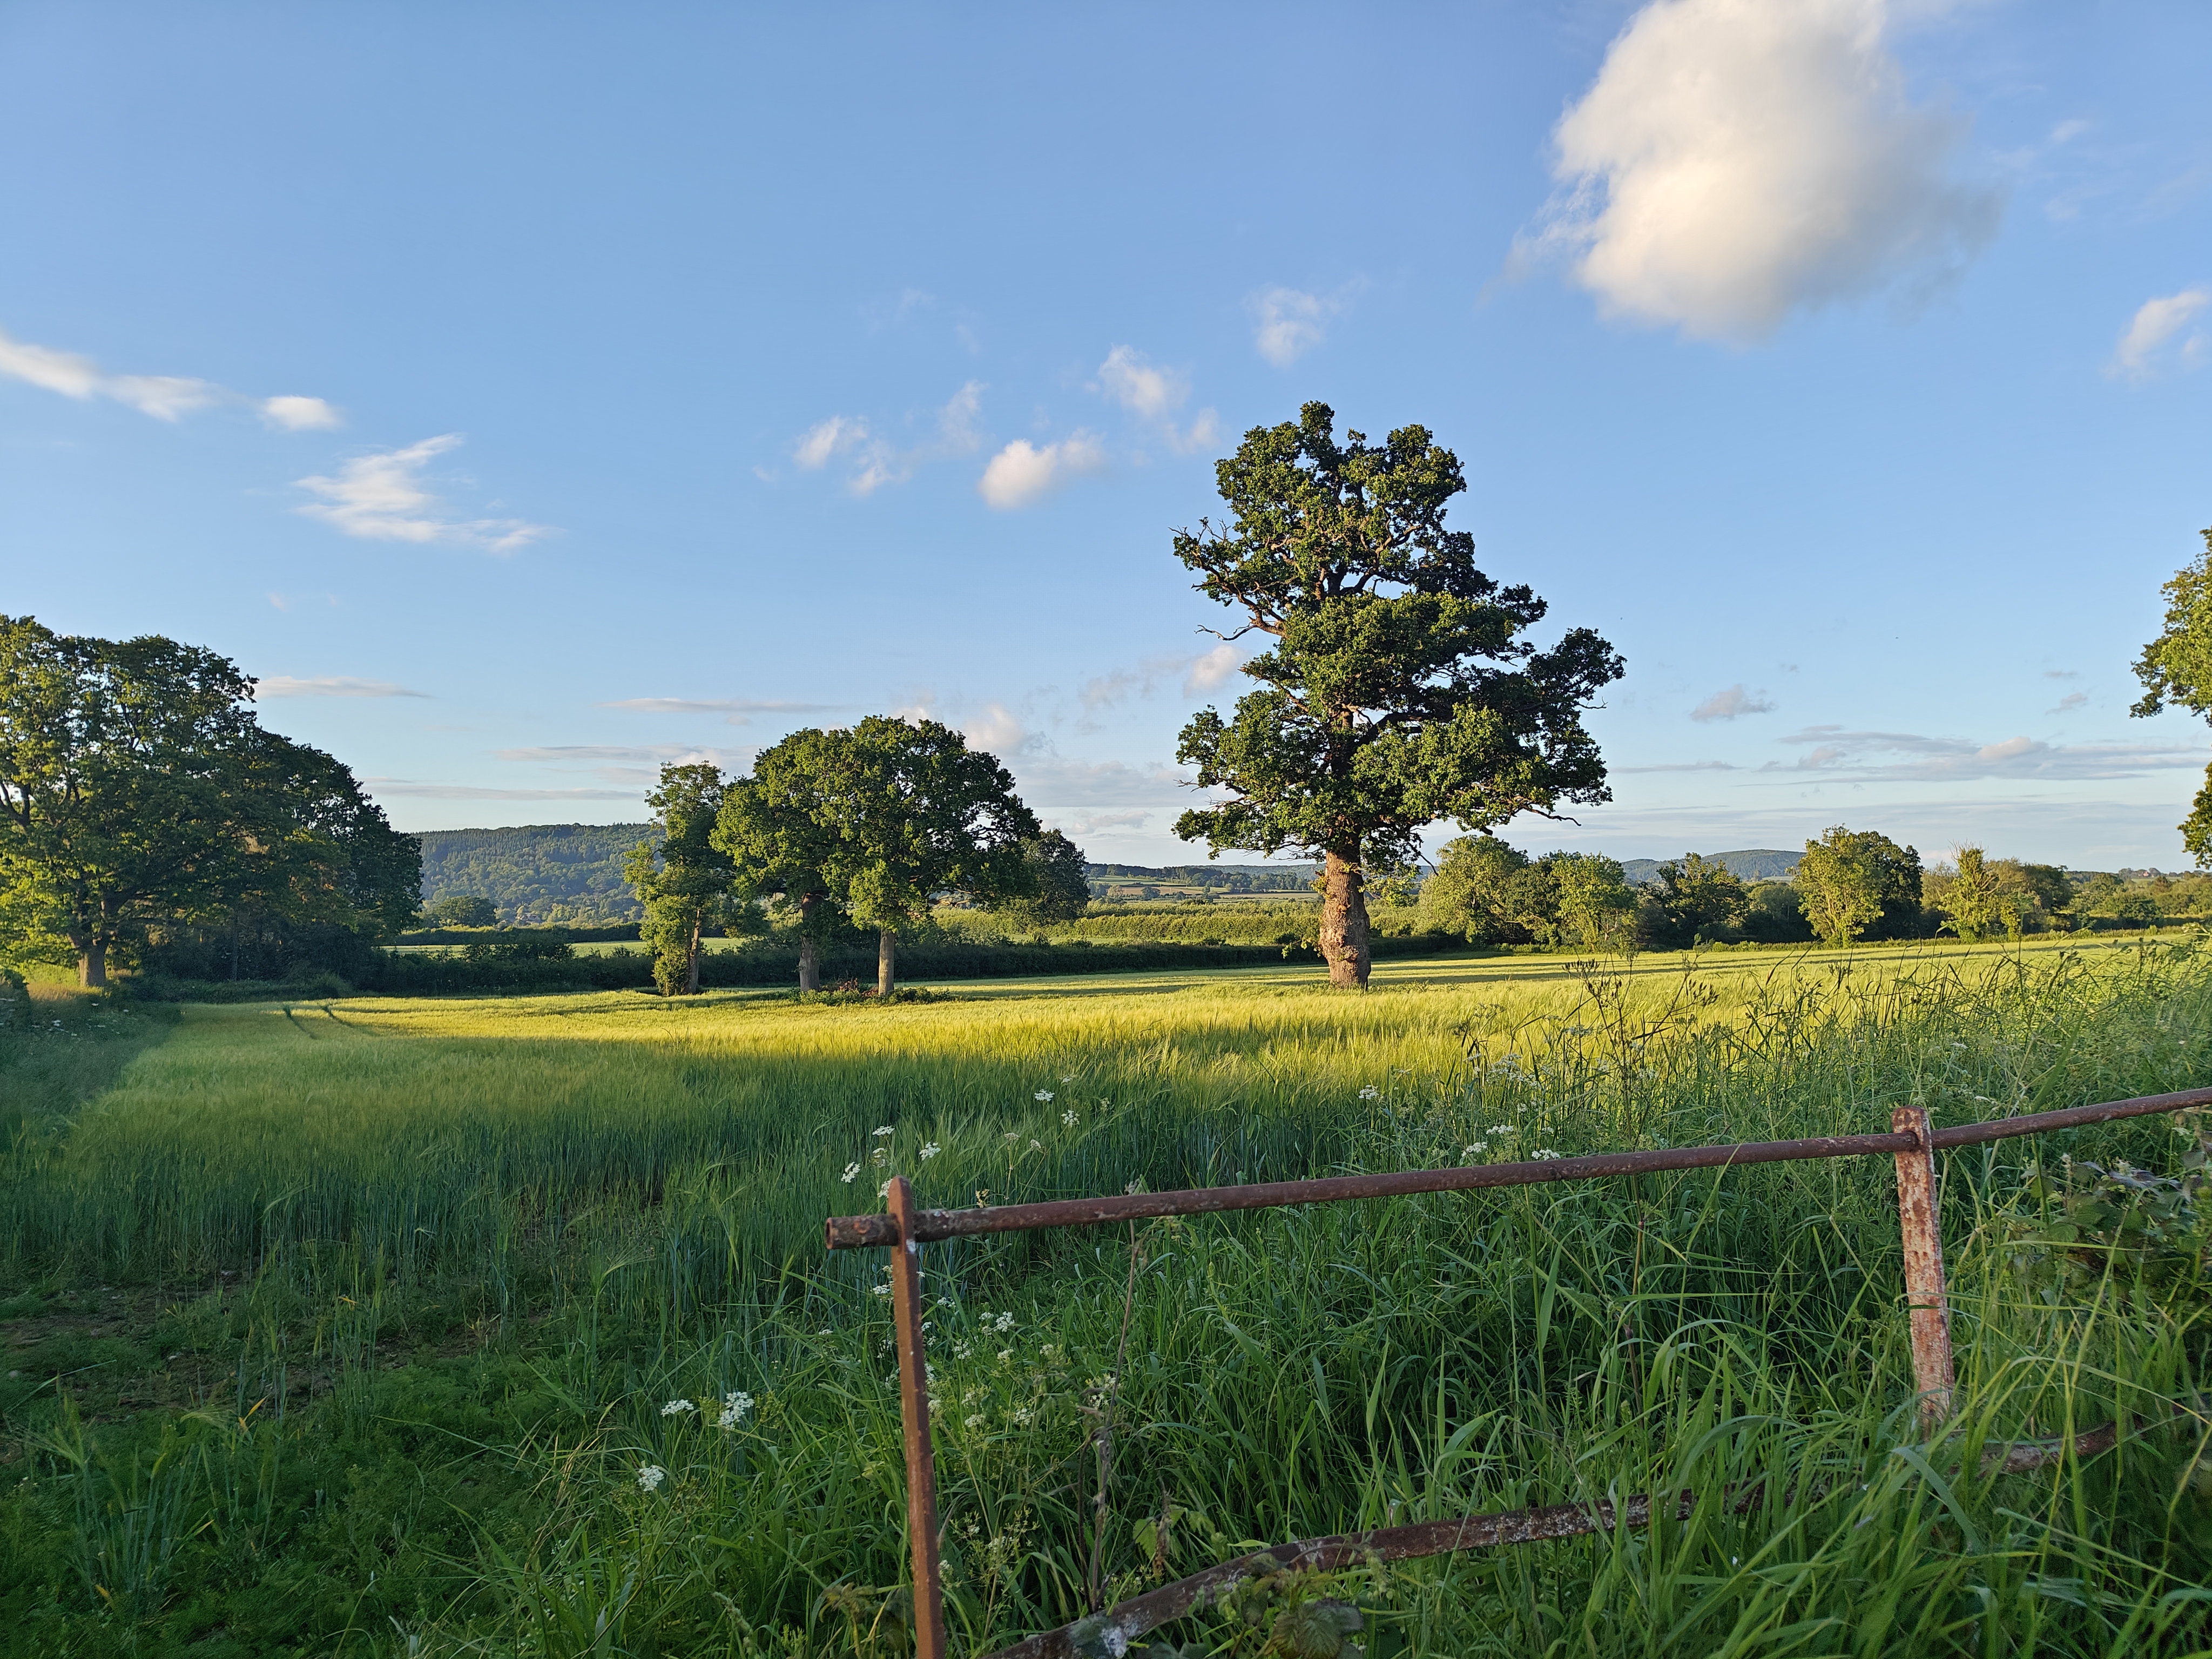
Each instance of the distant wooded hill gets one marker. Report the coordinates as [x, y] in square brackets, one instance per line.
[538, 874]
[570, 874]
[1753, 864]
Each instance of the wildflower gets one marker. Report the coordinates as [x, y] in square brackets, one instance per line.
[1067, 1079]
[851, 1170]
[930, 1149]
[650, 1477]
[1370, 1092]
[1067, 1117]
[1545, 1152]
[884, 1130]
[879, 1157]
[960, 1350]
[884, 1191]
[1005, 1356]
[1023, 1417]
[881, 1290]
[1134, 1187]
[734, 1407]
[1474, 1148]
[976, 1420]
[1044, 1094]
[677, 1407]
[1037, 1146]
[1501, 1128]
[1005, 1322]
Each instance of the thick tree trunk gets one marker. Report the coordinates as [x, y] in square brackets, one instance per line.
[1344, 917]
[691, 971]
[886, 948]
[810, 966]
[92, 966]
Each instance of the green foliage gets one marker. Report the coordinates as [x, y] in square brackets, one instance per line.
[1595, 906]
[1774, 914]
[139, 800]
[2177, 667]
[2134, 1229]
[462, 910]
[1057, 888]
[538, 875]
[1397, 689]
[1474, 892]
[779, 828]
[1691, 901]
[1854, 881]
[685, 881]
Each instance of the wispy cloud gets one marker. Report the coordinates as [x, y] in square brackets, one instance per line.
[627, 762]
[2070, 703]
[876, 461]
[1287, 322]
[2157, 324]
[1052, 781]
[1737, 160]
[997, 729]
[164, 397]
[1154, 394]
[334, 685]
[1021, 474]
[382, 497]
[1864, 755]
[1211, 670]
[1089, 823]
[383, 787]
[1728, 705]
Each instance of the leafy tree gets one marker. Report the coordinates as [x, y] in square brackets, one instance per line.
[463, 910]
[1969, 900]
[138, 795]
[1471, 894]
[2177, 667]
[915, 813]
[686, 883]
[1397, 689]
[2052, 887]
[778, 828]
[1060, 883]
[1774, 914]
[1692, 899]
[1595, 902]
[1853, 879]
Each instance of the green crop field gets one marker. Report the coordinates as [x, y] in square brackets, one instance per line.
[503, 1326]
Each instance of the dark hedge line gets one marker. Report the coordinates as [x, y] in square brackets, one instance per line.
[542, 964]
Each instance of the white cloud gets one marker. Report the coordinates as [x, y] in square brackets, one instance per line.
[383, 787]
[164, 397]
[1737, 160]
[1057, 782]
[2070, 703]
[876, 460]
[382, 497]
[2154, 324]
[1289, 323]
[1210, 672]
[1088, 823]
[336, 685]
[1727, 705]
[832, 437]
[300, 414]
[1021, 473]
[996, 729]
[1155, 394]
[1837, 752]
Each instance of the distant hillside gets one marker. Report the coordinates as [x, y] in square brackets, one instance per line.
[1753, 864]
[1125, 882]
[538, 874]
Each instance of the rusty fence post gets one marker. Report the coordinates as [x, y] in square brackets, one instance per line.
[1930, 1309]
[907, 1304]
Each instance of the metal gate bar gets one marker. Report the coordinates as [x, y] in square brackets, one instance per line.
[1911, 1142]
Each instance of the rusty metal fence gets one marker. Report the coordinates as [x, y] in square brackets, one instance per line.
[903, 1229]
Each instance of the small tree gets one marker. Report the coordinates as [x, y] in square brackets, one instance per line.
[686, 883]
[778, 828]
[1853, 879]
[2177, 667]
[1470, 893]
[1971, 900]
[462, 910]
[1694, 898]
[1059, 884]
[1595, 902]
[1397, 690]
[916, 812]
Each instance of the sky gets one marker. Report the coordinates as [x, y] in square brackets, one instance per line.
[530, 396]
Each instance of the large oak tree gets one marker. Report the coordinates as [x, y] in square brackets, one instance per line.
[778, 827]
[1398, 687]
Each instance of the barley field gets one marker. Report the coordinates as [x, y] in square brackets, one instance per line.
[503, 1325]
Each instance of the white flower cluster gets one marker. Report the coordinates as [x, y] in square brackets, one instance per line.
[1475, 1149]
[884, 1131]
[851, 1170]
[650, 1477]
[735, 1405]
[1370, 1092]
[1044, 1095]
[930, 1149]
[1545, 1152]
[677, 1407]
[1067, 1117]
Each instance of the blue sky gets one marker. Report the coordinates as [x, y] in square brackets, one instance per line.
[532, 394]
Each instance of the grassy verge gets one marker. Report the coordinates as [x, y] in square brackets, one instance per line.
[404, 1303]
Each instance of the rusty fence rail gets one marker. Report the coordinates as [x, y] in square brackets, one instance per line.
[903, 1229]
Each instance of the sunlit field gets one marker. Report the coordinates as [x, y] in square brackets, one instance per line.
[362, 1326]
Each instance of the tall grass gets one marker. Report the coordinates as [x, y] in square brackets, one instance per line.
[649, 1181]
